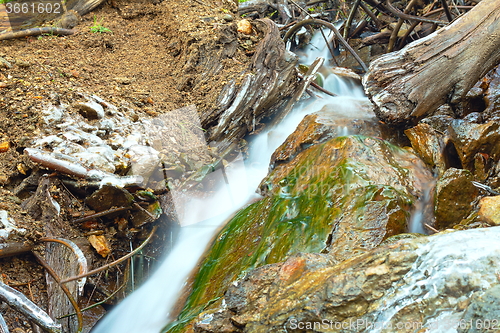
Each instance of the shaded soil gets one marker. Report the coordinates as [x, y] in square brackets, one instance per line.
[150, 61]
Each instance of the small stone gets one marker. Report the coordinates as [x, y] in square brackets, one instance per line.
[245, 27]
[100, 244]
[3, 85]
[227, 17]
[90, 110]
[4, 146]
[23, 64]
[489, 210]
[123, 80]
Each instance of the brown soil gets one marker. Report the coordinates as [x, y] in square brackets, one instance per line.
[150, 61]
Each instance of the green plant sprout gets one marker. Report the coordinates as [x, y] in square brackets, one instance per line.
[5, 1]
[98, 27]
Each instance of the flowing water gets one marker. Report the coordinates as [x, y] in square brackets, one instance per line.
[147, 309]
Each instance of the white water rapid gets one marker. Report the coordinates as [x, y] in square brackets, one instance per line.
[147, 309]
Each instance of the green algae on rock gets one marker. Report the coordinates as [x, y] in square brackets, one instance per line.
[342, 197]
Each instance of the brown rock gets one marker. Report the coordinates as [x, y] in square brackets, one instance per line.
[429, 145]
[245, 27]
[4, 146]
[454, 195]
[489, 210]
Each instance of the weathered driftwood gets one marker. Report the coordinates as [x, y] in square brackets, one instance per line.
[271, 80]
[409, 84]
[42, 206]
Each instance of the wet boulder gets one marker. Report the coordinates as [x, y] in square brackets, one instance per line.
[429, 144]
[454, 196]
[483, 312]
[471, 139]
[330, 122]
[489, 210]
[433, 284]
[342, 197]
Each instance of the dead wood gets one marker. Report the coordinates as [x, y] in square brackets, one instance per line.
[270, 81]
[42, 206]
[83, 7]
[407, 85]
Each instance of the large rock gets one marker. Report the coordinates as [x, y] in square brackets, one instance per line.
[429, 144]
[472, 139]
[331, 121]
[342, 197]
[421, 284]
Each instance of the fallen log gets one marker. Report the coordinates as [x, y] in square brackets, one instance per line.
[409, 84]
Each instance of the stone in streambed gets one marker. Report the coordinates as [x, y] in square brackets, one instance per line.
[429, 145]
[489, 210]
[470, 139]
[331, 121]
[449, 276]
[109, 196]
[454, 196]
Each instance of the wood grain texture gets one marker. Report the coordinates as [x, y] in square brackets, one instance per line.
[407, 85]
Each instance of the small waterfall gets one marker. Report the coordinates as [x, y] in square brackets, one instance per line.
[147, 309]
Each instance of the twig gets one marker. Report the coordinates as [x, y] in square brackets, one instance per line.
[431, 228]
[36, 32]
[446, 10]
[335, 31]
[320, 29]
[371, 14]
[22, 304]
[394, 35]
[98, 303]
[317, 86]
[287, 26]
[407, 33]
[100, 214]
[347, 26]
[404, 16]
[441, 9]
[13, 249]
[63, 287]
[116, 262]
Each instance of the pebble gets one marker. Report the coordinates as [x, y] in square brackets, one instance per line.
[227, 17]
[245, 27]
[489, 210]
[123, 80]
[4, 146]
[22, 63]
